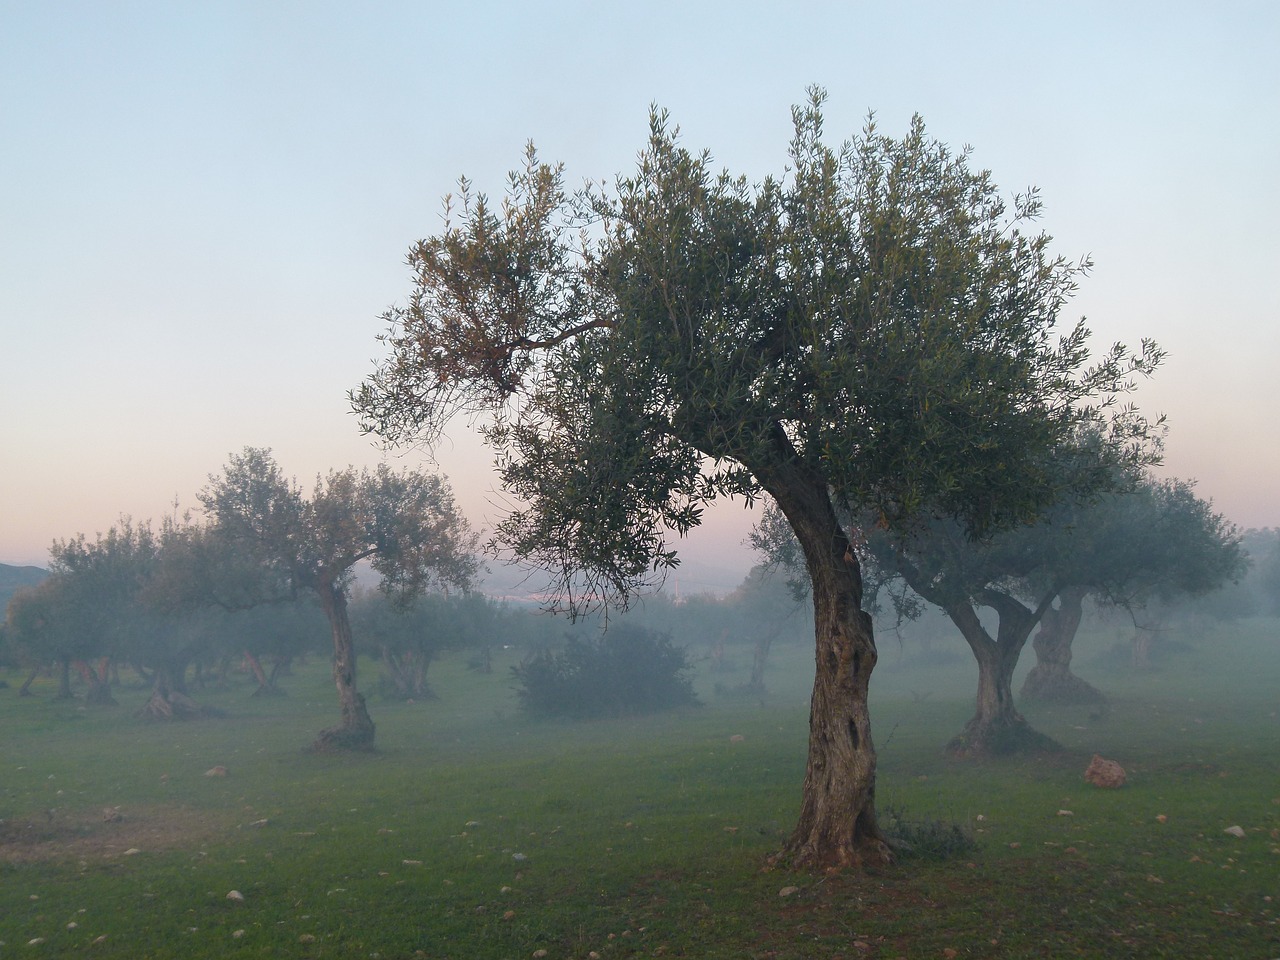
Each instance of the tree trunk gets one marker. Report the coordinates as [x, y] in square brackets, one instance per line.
[25, 689]
[266, 685]
[758, 661]
[837, 825]
[1145, 637]
[169, 700]
[279, 668]
[996, 726]
[99, 688]
[1051, 679]
[64, 679]
[356, 731]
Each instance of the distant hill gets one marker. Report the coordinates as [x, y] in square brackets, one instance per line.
[13, 579]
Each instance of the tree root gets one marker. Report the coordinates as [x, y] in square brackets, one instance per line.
[1000, 740]
[345, 739]
[1058, 687]
[174, 706]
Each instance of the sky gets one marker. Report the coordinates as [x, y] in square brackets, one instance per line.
[205, 207]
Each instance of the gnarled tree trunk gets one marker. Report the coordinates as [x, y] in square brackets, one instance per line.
[1051, 679]
[169, 700]
[996, 726]
[837, 825]
[356, 731]
[266, 685]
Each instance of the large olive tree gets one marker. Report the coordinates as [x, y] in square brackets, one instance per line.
[872, 329]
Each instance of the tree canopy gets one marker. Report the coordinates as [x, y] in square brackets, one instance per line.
[873, 329]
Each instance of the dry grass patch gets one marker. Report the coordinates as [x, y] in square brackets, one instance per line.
[106, 833]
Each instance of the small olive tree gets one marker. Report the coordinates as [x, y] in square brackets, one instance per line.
[404, 524]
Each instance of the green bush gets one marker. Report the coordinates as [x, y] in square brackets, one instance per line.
[629, 670]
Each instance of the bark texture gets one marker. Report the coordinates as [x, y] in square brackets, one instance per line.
[837, 825]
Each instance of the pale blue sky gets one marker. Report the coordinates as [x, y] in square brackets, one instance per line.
[204, 207]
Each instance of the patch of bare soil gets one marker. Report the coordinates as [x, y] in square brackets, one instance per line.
[105, 834]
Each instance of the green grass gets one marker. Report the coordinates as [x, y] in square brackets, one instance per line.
[476, 833]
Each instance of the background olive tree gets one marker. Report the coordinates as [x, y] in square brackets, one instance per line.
[404, 524]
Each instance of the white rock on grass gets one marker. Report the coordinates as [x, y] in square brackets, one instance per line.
[236, 895]
[1235, 831]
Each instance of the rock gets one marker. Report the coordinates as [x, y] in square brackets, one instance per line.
[1235, 831]
[112, 815]
[218, 771]
[236, 895]
[1065, 813]
[787, 891]
[1104, 773]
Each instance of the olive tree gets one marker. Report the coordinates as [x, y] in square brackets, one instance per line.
[873, 329]
[1154, 543]
[100, 594]
[405, 524]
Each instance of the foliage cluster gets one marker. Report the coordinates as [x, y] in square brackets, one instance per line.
[627, 671]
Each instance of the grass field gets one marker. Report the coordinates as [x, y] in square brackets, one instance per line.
[476, 833]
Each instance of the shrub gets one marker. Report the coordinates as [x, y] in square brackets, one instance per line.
[629, 670]
[925, 839]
